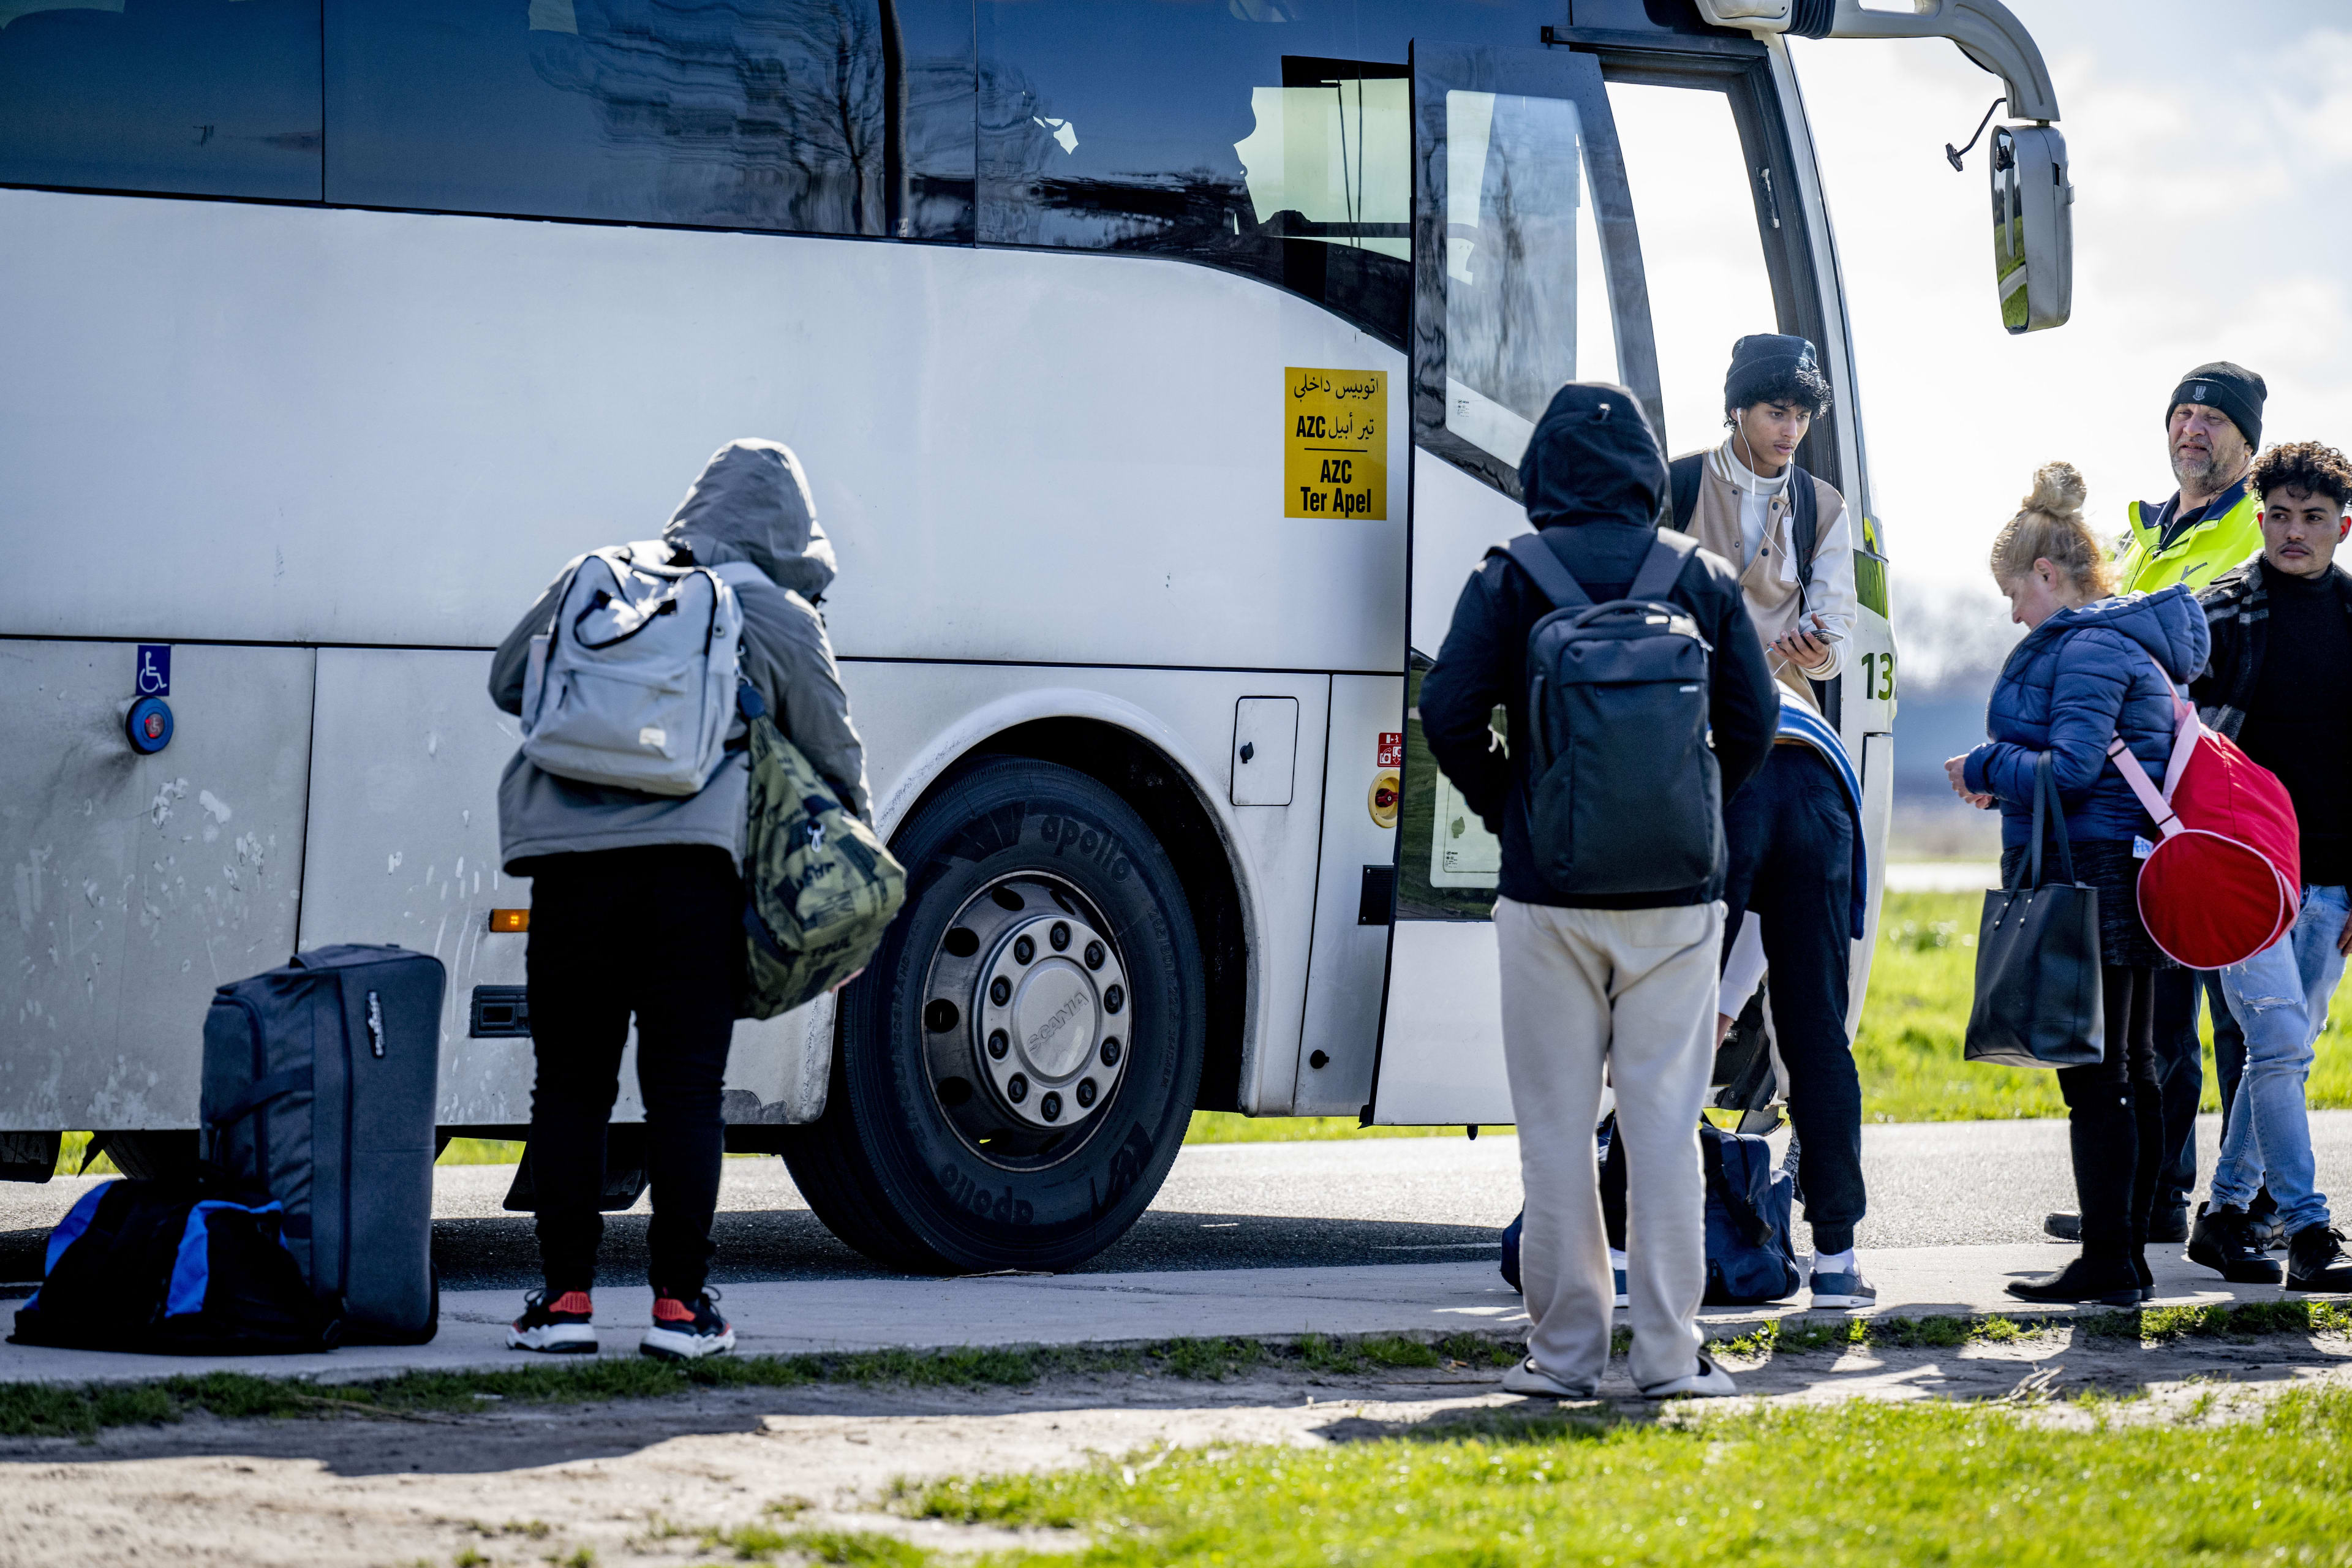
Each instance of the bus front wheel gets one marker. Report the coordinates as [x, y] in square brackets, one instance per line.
[1015, 1071]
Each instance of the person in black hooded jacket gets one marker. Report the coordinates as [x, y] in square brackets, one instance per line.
[1623, 981]
[1593, 489]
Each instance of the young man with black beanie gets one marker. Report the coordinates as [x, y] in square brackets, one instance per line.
[1794, 837]
[1624, 981]
[2213, 427]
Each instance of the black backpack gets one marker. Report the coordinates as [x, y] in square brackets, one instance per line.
[1623, 795]
[174, 1268]
[1804, 509]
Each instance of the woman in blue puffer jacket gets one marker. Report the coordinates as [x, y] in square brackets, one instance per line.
[2090, 668]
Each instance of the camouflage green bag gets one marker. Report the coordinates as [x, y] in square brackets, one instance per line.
[822, 889]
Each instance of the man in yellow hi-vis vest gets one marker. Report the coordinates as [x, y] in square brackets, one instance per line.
[2213, 522]
[2212, 427]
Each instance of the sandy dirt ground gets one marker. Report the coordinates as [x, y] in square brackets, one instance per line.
[642, 1483]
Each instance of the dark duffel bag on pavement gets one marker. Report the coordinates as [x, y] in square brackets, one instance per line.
[1751, 1256]
[2038, 998]
[1750, 1204]
[321, 1081]
[172, 1267]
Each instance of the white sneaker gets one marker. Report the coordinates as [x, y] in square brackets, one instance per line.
[1529, 1378]
[686, 1329]
[1709, 1382]
[1844, 1292]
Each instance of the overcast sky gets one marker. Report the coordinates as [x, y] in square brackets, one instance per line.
[2211, 151]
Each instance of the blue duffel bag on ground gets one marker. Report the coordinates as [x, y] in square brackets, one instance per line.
[1750, 1203]
[174, 1268]
[1750, 1257]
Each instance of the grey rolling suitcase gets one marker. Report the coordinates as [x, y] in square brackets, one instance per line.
[322, 1080]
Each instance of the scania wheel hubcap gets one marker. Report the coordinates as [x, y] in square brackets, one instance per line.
[1027, 1016]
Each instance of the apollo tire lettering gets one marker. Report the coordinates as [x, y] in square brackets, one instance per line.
[1068, 835]
[1001, 1207]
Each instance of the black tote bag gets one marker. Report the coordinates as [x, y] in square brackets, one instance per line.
[2038, 1002]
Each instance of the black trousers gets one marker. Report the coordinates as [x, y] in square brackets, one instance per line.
[1790, 837]
[2115, 1119]
[656, 932]
[2180, 1073]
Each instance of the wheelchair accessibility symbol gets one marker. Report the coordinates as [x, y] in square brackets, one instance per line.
[154, 677]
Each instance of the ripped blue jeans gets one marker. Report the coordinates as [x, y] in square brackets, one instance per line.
[2279, 998]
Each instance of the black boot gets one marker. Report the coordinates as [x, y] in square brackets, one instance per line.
[2110, 1282]
[2269, 1225]
[2316, 1260]
[2062, 1227]
[2146, 1279]
[2223, 1240]
[2149, 1220]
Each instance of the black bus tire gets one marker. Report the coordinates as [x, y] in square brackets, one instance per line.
[889, 1168]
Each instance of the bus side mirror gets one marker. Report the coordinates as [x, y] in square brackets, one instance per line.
[2032, 228]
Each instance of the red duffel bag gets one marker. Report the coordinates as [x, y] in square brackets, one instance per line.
[2225, 878]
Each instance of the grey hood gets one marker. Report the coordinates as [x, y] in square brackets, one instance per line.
[752, 503]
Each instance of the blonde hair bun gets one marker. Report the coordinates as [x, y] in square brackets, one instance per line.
[2048, 526]
[2058, 491]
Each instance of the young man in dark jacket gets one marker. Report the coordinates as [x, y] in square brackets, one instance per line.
[1794, 832]
[1625, 980]
[2279, 682]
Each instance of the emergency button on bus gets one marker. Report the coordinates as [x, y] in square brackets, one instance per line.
[149, 725]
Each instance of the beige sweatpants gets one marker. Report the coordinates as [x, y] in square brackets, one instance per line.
[1636, 987]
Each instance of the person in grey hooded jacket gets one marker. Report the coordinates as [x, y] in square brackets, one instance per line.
[637, 909]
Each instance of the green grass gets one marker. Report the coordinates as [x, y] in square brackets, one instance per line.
[759, 1543]
[1860, 1483]
[58, 1410]
[2239, 1323]
[52, 1410]
[1225, 1127]
[1922, 977]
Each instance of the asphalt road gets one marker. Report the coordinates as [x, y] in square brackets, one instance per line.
[1262, 1205]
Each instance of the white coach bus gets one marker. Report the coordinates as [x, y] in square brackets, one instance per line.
[1159, 365]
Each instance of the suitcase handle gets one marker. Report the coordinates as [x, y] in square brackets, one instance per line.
[293, 1080]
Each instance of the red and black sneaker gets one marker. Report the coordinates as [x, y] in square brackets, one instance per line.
[686, 1328]
[562, 1327]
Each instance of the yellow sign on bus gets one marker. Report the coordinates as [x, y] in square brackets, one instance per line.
[1336, 442]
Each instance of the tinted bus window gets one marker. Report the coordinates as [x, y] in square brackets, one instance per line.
[1204, 132]
[819, 116]
[201, 97]
[1269, 137]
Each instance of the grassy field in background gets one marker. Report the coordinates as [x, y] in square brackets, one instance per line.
[1846, 1484]
[1909, 1051]
[1208, 1127]
[1921, 981]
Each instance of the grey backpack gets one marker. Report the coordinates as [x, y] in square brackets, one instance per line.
[633, 685]
[1623, 795]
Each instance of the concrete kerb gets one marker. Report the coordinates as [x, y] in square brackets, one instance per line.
[1955, 1289]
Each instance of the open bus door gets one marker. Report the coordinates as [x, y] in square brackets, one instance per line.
[1526, 275]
